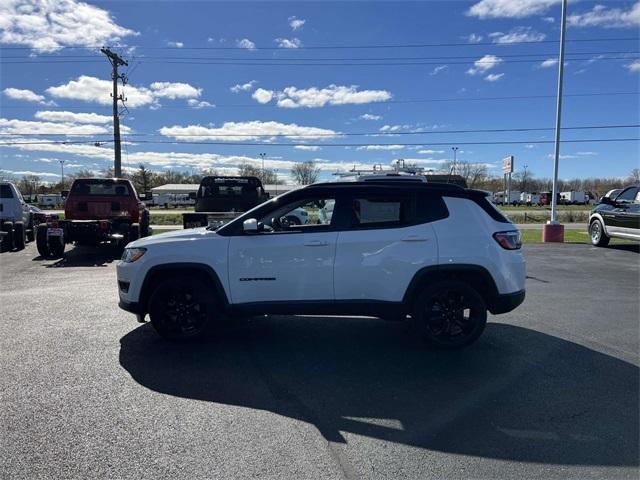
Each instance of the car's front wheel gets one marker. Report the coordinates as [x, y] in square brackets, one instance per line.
[182, 308]
[449, 314]
[598, 237]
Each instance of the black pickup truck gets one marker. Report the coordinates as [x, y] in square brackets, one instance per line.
[220, 198]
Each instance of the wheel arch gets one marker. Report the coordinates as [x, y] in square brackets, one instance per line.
[159, 272]
[476, 276]
[597, 216]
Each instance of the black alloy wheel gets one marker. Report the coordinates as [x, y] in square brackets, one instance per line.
[450, 314]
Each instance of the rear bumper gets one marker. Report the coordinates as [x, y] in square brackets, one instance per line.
[506, 302]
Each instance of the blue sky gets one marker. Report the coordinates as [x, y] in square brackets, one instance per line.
[54, 80]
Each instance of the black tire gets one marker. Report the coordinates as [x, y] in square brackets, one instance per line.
[449, 314]
[19, 236]
[7, 240]
[134, 232]
[41, 240]
[183, 308]
[144, 225]
[31, 234]
[56, 247]
[597, 235]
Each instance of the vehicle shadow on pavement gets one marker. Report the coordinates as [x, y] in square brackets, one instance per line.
[517, 394]
[85, 256]
[625, 247]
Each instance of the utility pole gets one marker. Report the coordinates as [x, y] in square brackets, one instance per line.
[116, 61]
[554, 231]
[524, 178]
[62, 174]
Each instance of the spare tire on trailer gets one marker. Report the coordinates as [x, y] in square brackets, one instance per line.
[41, 240]
[19, 238]
[134, 232]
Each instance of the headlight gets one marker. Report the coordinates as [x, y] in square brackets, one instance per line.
[130, 255]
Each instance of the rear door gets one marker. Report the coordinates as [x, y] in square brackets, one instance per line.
[389, 239]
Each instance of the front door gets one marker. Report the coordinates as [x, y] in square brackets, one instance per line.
[290, 259]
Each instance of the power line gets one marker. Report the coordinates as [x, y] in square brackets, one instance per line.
[345, 47]
[347, 134]
[290, 63]
[262, 144]
[407, 101]
[447, 57]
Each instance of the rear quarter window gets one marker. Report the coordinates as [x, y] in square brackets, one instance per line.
[5, 191]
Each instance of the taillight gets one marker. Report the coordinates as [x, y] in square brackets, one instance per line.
[508, 240]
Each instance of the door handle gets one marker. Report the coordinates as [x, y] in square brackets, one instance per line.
[315, 243]
[415, 238]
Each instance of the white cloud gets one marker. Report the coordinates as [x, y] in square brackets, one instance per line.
[23, 94]
[296, 23]
[19, 127]
[473, 38]
[192, 102]
[439, 69]
[549, 62]
[430, 152]
[292, 97]
[246, 43]
[509, 8]
[548, 19]
[73, 117]
[288, 42]
[390, 128]
[244, 87]
[175, 44]
[494, 77]
[633, 66]
[47, 26]
[484, 64]
[530, 145]
[31, 173]
[174, 90]
[92, 89]
[517, 34]
[601, 16]
[262, 96]
[369, 116]
[239, 131]
[308, 148]
[380, 147]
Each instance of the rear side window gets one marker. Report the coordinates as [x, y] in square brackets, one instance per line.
[381, 211]
[100, 188]
[489, 208]
[5, 191]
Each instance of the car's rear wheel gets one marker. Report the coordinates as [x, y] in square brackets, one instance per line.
[598, 237]
[19, 236]
[449, 315]
[183, 308]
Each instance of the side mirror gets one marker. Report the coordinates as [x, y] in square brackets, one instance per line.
[250, 226]
[607, 201]
[192, 195]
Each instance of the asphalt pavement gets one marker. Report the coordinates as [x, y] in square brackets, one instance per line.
[549, 391]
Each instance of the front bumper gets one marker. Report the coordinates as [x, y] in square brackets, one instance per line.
[506, 302]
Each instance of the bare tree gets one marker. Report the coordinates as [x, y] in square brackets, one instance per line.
[305, 173]
[268, 176]
[634, 176]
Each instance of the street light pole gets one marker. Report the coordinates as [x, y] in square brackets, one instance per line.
[262, 155]
[554, 231]
[455, 157]
[62, 174]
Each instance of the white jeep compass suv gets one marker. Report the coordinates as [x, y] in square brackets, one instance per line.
[439, 253]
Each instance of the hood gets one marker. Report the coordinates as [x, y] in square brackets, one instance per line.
[176, 235]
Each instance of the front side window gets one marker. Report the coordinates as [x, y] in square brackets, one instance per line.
[627, 196]
[302, 215]
[5, 191]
